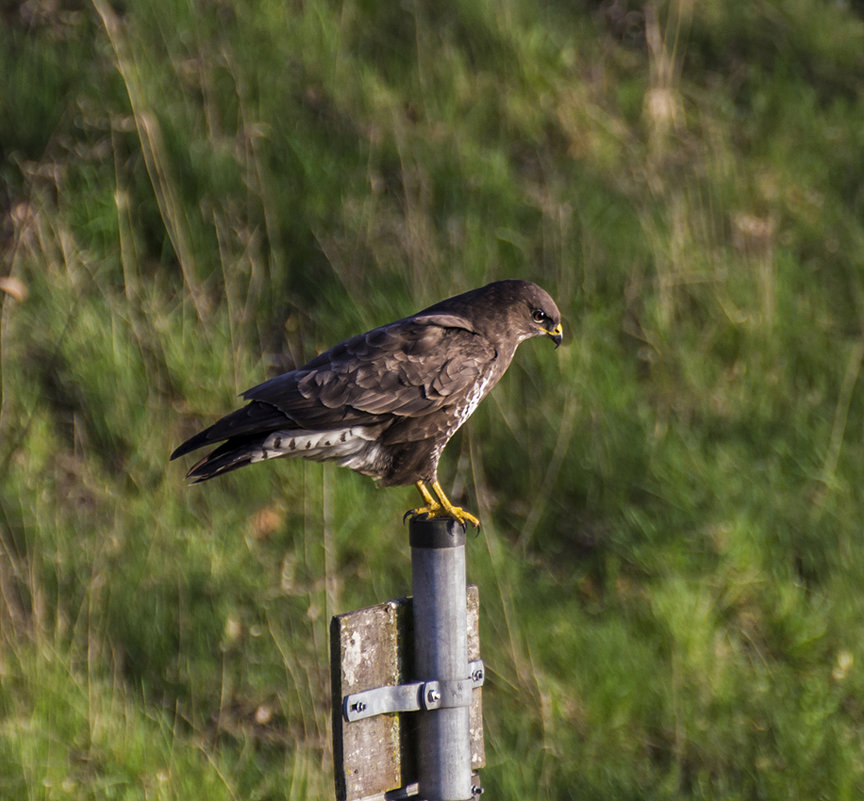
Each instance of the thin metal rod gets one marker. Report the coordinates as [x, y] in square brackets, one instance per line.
[441, 654]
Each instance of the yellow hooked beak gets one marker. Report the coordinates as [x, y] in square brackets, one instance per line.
[557, 334]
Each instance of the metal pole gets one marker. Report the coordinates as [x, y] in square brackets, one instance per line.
[441, 655]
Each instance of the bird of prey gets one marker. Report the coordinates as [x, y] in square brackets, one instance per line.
[385, 403]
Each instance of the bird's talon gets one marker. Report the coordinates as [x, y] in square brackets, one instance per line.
[423, 513]
[454, 513]
[464, 517]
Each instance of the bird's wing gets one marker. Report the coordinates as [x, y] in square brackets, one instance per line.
[409, 368]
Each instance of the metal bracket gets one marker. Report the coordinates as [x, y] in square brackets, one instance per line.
[415, 696]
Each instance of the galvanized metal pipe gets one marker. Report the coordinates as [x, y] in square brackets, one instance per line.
[441, 654]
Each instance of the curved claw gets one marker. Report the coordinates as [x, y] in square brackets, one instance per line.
[422, 513]
[462, 516]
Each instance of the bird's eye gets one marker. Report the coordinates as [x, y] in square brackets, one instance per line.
[538, 316]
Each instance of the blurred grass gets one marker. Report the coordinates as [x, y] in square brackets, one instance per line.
[197, 195]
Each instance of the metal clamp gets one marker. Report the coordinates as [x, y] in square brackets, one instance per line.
[413, 697]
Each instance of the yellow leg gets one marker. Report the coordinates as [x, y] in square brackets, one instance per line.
[427, 496]
[432, 507]
[440, 507]
[454, 511]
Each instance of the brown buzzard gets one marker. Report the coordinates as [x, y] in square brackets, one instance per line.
[385, 403]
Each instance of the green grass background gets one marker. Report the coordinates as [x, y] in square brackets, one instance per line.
[196, 195]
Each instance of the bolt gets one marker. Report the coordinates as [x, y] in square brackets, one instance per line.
[477, 675]
[433, 696]
[359, 706]
[476, 790]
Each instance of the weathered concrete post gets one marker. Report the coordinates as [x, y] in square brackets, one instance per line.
[441, 658]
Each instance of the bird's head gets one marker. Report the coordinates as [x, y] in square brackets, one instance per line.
[533, 312]
[508, 312]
